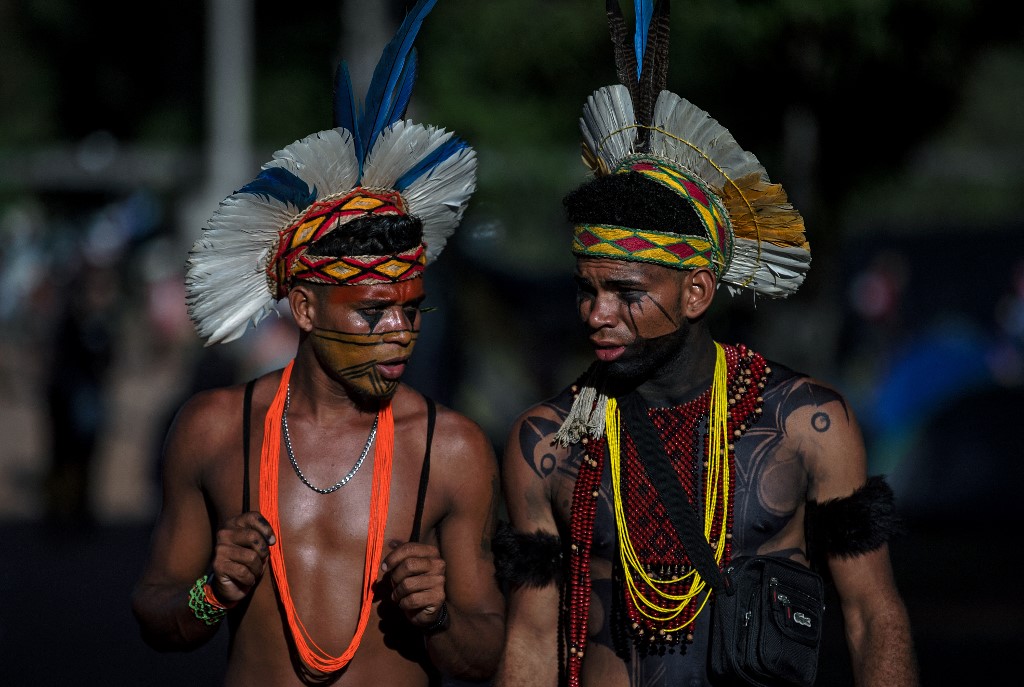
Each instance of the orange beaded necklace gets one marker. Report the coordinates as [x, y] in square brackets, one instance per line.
[312, 654]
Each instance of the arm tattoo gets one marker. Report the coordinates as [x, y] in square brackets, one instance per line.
[797, 396]
[536, 442]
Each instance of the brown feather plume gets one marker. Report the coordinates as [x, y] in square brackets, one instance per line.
[625, 57]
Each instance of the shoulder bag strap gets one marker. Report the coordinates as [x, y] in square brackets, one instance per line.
[665, 480]
[246, 412]
[425, 472]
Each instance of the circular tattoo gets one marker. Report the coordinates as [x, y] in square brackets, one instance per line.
[821, 422]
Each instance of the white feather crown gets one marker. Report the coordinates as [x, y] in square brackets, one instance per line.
[768, 252]
[234, 272]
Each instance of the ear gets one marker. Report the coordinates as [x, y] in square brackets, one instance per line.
[699, 292]
[303, 303]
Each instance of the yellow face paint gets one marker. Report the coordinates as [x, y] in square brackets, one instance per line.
[371, 364]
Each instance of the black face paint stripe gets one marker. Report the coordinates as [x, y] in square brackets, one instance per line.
[360, 339]
[663, 311]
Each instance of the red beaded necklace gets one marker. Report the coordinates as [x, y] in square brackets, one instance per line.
[650, 531]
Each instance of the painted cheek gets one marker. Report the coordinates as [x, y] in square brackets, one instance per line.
[354, 358]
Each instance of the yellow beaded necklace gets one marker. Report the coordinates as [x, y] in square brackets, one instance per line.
[716, 486]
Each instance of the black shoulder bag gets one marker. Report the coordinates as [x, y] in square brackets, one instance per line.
[767, 613]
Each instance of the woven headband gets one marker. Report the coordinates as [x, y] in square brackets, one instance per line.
[679, 251]
[293, 262]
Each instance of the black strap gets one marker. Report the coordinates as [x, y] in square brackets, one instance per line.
[666, 482]
[425, 472]
[246, 412]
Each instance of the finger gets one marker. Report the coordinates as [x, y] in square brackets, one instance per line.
[409, 551]
[416, 605]
[256, 521]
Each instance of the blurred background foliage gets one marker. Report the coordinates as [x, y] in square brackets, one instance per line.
[896, 126]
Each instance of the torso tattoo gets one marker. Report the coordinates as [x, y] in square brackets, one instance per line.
[769, 487]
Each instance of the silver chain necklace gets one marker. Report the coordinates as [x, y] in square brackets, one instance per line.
[291, 455]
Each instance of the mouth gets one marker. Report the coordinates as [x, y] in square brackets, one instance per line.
[608, 352]
[392, 369]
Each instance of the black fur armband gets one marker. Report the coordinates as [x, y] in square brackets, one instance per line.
[852, 525]
[527, 560]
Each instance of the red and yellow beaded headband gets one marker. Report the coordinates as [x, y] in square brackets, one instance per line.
[293, 262]
[679, 251]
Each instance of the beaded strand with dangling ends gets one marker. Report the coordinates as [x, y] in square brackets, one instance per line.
[747, 374]
[291, 456]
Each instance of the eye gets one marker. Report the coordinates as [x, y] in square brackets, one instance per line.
[411, 311]
[584, 288]
[631, 296]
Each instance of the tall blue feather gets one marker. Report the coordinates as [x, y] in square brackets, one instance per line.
[346, 113]
[644, 10]
[378, 107]
[403, 89]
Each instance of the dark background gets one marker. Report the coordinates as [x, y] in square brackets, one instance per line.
[896, 126]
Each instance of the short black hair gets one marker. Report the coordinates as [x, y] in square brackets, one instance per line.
[632, 200]
[371, 235]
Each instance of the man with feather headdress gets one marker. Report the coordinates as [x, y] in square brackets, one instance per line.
[323, 571]
[611, 582]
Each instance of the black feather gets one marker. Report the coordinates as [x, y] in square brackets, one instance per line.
[654, 75]
[625, 55]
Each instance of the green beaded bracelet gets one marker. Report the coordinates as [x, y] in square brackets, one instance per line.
[201, 607]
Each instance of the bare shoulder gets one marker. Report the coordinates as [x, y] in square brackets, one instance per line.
[209, 424]
[539, 423]
[205, 421]
[455, 436]
[531, 439]
[459, 435]
[819, 423]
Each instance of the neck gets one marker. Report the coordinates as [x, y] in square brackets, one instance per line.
[685, 376]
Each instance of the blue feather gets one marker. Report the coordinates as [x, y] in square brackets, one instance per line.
[380, 104]
[449, 148]
[403, 90]
[346, 114]
[644, 11]
[282, 185]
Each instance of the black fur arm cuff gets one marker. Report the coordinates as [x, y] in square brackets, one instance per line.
[855, 524]
[527, 560]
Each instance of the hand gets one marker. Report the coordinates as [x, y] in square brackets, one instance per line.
[240, 556]
[417, 578]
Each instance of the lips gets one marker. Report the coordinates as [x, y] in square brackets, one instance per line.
[392, 369]
[607, 352]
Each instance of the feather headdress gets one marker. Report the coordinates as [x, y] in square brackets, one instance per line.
[763, 244]
[755, 237]
[373, 161]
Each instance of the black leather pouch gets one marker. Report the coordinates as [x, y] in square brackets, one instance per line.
[766, 624]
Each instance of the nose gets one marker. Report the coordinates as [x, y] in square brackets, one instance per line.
[599, 311]
[396, 327]
[401, 337]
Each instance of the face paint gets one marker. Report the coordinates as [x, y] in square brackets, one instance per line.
[371, 364]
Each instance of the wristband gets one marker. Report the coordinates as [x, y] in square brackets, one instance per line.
[204, 604]
[441, 622]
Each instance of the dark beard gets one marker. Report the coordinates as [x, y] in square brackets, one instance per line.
[647, 358]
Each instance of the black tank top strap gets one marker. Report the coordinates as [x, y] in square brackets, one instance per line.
[425, 471]
[246, 422]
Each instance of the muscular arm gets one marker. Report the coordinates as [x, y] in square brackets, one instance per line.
[469, 642]
[531, 645]
[875, 617]
[182, 545]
